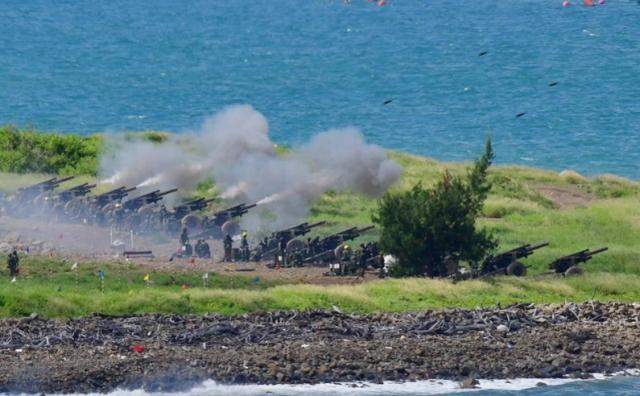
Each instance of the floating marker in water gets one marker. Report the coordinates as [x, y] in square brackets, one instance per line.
[566, 3]
[520, 114]
[588, 3]
[386, 102]
[553, 83]
[483, 53]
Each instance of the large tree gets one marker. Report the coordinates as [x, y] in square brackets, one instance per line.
[429, 228]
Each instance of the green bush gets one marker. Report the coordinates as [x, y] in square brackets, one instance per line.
[24, 151]
[427, 229]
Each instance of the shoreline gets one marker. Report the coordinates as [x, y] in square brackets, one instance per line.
[171, 352]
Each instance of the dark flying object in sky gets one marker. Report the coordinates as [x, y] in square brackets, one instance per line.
[520, 114]
[386, 102]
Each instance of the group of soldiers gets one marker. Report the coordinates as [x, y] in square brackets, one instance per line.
[357, 261]
[202, 249]
[243, 254]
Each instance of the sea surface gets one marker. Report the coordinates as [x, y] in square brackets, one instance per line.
[614, 386]
[87, 66]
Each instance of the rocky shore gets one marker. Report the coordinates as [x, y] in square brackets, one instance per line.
[168, 352]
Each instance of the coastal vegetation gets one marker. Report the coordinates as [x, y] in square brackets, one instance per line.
[525, 205]
[428, 228]
[52, 288]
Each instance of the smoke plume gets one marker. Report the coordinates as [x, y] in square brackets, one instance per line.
[233, 147]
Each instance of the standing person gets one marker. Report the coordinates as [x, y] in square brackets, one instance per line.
[282, 250]
[13, 263]
[184, 236]
[244, 247]
[228, 248]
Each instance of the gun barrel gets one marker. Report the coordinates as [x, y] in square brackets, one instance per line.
[64, 179]
[538, 246]
[162, 194]
[600, 250]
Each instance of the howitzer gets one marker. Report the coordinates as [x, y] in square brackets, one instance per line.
[113, 195]
[329, 243]
[334, 240]
[295, 231]
[221, 217]
[73, 192]
[562, 264]
[146, 199]
[47, 185]
[192, 206]
[288, 234]
[507, 262]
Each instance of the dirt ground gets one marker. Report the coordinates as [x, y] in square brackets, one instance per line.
[564, 197]
[85, 243]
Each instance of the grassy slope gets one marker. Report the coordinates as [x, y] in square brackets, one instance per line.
[516, 211]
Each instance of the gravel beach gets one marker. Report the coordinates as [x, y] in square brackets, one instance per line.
[167, 352]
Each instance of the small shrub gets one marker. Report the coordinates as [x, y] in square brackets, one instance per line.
[428, 228]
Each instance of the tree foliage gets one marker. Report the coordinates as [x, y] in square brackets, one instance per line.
[24, 151]
[428, 228]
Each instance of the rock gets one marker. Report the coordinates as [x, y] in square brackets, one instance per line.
[469, 383]
[502, 329]
[541, 384]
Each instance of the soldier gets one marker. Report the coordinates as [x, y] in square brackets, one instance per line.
[282, 249]
[228, 248]
[13, 262]
[202, 249]
[187, 249]
[345, 260]
[244, 247]
[184, 237]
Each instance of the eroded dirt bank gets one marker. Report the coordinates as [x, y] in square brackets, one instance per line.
[171, 352]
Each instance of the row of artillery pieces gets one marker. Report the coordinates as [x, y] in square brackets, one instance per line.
[147, 214]
[508, 263]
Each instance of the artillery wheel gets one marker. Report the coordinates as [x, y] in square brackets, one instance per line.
[294, 245]
[146, 210]
[516, 269]
[230, 227]
[191, 222]
[573, 270]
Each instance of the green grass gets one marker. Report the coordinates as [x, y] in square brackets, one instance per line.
[516, 211]
[53, 289]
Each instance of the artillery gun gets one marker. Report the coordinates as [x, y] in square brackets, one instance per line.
[568, 265]
[217, 225]
[115, 195]
[330, 248]
[34, 199]
[269, 247]
[507, 263]
[32, 192]
[67, 195]
[146, 199]
[186, 208]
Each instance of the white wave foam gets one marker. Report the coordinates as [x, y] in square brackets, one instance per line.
[429, 387]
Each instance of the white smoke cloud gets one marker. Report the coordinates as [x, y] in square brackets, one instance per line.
[234, 148]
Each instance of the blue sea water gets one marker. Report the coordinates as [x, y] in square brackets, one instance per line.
[85, 66]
